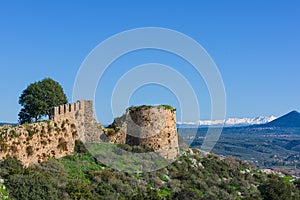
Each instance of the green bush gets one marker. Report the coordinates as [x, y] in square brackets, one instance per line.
[81, 176]
[165, 192]
[3, 192]
[28, 187]
[12, 134]
[10, 166]
[275, 188]
[78, 189]
[80, 148]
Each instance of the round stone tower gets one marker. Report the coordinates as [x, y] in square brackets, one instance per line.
[154, 127]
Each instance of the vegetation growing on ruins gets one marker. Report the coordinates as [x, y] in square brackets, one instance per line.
[168, 107]
[132, 108]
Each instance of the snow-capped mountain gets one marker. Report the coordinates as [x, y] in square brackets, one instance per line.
[249, 121]
[230, 122]
[292, 119]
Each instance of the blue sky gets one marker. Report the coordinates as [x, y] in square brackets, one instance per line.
[255, 44]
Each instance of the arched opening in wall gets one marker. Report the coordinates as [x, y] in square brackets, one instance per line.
[70, 107]
[169, 141]
[169, 135]
[75, 106]
[59, 110]
[65, 109]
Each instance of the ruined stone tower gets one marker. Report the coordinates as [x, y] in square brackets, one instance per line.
[152, 126]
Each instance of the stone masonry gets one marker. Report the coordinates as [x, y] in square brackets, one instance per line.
[150, 126]
[81, 113]
[36, 142]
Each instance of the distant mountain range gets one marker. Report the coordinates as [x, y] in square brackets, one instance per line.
[2, 123]
[230, 122]
[290, 120]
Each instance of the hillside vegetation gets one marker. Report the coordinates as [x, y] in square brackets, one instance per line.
[265, 147]
[194, 175]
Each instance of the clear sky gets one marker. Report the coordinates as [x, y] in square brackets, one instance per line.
[255, 44]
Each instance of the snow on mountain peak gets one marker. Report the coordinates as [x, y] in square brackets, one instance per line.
[249, 121]
[231, 121]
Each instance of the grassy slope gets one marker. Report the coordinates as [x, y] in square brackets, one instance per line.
[193, 175]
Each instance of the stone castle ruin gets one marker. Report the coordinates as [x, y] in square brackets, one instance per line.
[82, 115]
[149, 126]
[153, 127]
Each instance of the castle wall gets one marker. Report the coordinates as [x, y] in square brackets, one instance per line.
[82, 114]
[36, 142]
[89, 130]
[153, 127]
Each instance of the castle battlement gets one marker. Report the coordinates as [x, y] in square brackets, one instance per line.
[65, 110]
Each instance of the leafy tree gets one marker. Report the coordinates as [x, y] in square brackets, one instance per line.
[39, 98]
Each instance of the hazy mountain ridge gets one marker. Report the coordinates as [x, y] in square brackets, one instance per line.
[4, 123]
[230, 122]
[289, 120]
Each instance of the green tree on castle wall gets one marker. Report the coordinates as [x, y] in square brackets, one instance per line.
[39, 98]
